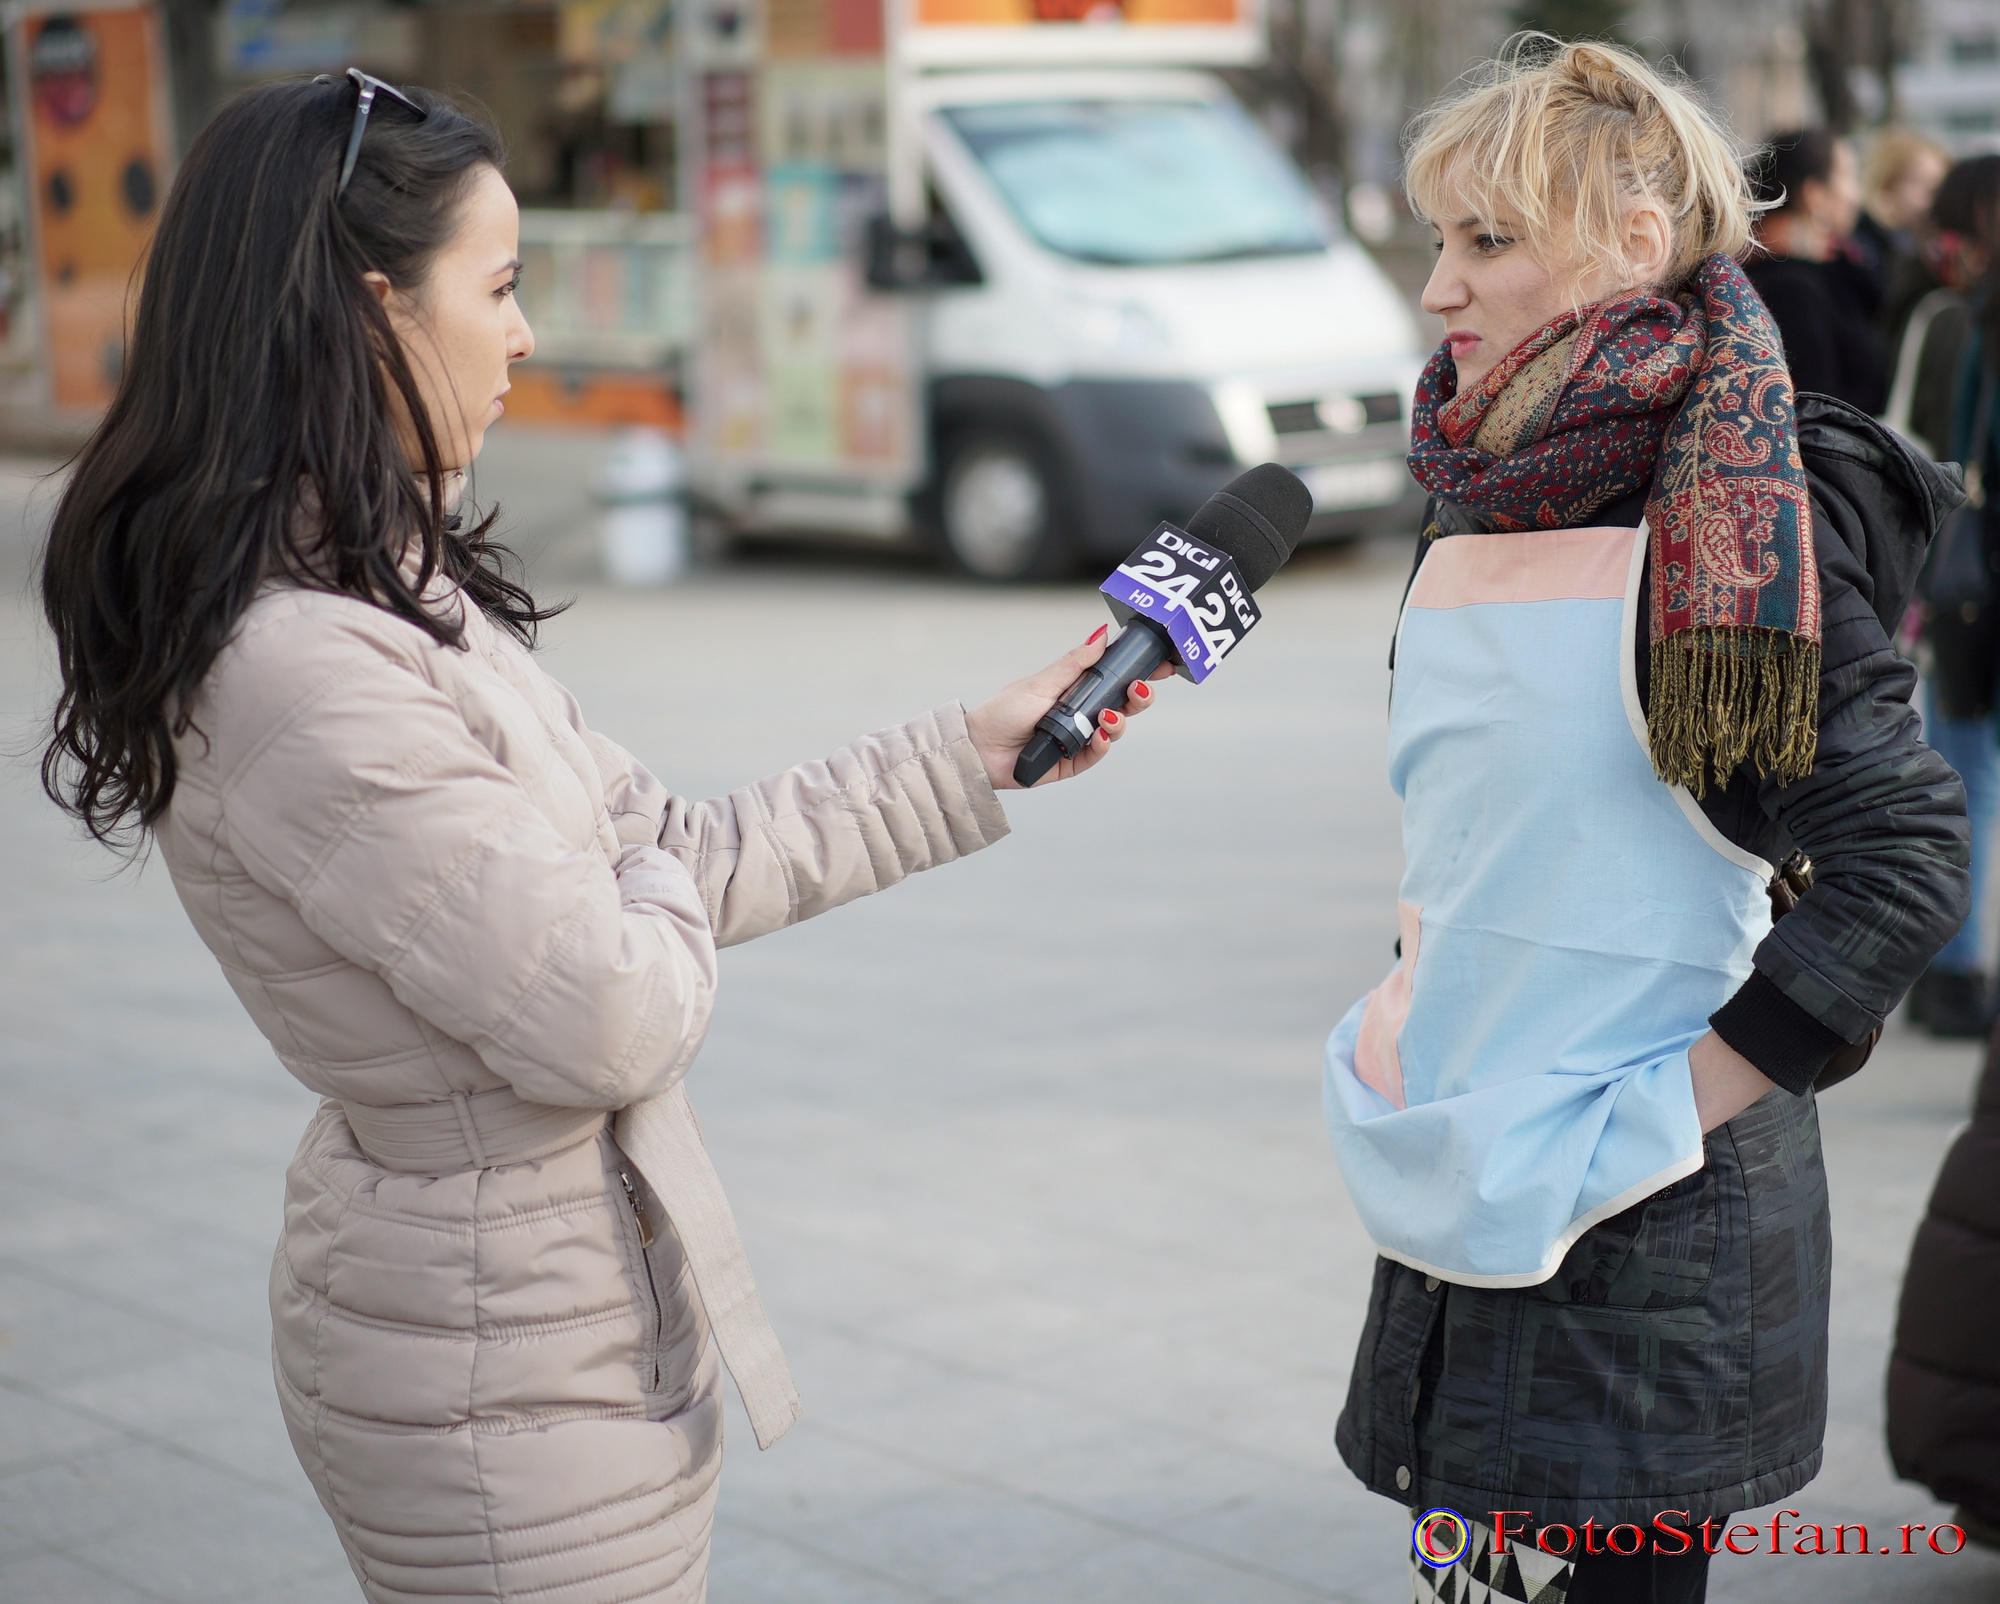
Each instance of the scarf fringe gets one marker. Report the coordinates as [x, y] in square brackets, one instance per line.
[1723, 696]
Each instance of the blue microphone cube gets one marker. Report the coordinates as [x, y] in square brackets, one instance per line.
[1192, 591]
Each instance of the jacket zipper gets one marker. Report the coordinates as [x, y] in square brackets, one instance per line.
[645, 1241]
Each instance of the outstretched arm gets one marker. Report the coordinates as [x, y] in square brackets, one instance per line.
[887, 806]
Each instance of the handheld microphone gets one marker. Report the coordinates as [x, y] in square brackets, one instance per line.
[1183, 596]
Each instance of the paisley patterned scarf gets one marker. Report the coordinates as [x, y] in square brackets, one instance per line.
[1689, 397]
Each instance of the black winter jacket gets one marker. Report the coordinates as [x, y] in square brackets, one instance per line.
[1944, 1375]
[1827, 323]
[1881, 816]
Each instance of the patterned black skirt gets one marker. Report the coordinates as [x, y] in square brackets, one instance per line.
[1676, 1361]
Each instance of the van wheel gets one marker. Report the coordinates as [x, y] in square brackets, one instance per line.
[1001, 514]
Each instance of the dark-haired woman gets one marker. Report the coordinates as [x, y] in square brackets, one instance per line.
[1824, 302]
[483, 933]
[1943, 373]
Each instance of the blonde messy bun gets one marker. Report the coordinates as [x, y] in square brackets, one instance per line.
[1559, 140]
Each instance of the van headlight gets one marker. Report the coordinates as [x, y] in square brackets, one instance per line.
[1246, 421]
[1119, 328]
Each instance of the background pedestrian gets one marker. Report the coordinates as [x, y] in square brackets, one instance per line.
[1955, 401]
[1824, 303]
[1901, 179]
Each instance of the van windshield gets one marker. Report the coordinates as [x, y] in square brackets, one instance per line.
[1143, 182]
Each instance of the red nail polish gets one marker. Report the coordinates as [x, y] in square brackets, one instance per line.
[1102, 631]
[1142, 691]
[1113, 720]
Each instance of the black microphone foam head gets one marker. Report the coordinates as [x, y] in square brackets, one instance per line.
[1257, 518]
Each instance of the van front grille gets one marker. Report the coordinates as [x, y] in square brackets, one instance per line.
[1295, 417]
[1336, 414]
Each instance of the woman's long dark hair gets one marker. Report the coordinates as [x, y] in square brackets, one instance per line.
[1967, 204]
[255, 431]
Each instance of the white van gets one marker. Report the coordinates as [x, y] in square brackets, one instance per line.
[1117, 294]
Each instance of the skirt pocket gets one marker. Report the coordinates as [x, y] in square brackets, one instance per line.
[1658, 1254]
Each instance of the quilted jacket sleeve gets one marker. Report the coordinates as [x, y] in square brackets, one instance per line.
[350, 786]
[885, 807]
[1881, 816]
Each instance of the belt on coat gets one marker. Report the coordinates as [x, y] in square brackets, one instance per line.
[481, 1130]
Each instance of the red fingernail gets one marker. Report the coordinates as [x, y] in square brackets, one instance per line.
[1111, 721]
[1142, 690]
[1102, 631]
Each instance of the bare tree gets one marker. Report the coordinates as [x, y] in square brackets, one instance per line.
[1573, 19]
[1842, 35]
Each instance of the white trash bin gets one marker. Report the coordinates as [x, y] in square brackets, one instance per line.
[643, 529]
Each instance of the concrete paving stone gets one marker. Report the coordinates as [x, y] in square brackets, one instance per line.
[47, 1222]
[1142, 1571]
[59, 1579]
[817, 1474]
[334, 1585]
[1158, 1479]
[1856, 1476]
[753, 1564]
[819, 1277]
[36, 1429]
[997, 1329]
[212, 1402]
[56, 1334]
[1208, 1392]
[960, 1537]
[205, 1285]
[212, 1196]
[1309, 1530]
[949, 1417]
[89, 1493]
[221, 1541]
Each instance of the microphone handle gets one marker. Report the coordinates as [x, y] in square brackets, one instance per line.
[1067, 727]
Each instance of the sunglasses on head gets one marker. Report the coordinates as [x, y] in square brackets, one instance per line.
[370, 86]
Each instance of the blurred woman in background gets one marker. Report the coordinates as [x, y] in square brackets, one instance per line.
[1809, 188]
[1902, 176]
[1929, 306]
[1950, 372]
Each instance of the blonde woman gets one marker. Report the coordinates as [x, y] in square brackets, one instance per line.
[1639, 665]
[1899, 184]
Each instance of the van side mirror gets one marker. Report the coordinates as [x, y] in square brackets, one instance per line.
[898, 258]
[918, 258]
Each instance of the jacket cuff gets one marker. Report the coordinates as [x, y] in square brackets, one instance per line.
[986, 816]
[1779, 1037]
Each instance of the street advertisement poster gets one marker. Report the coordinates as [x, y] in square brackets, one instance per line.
[729, 366]
[1017, 13]
[807, 28]
[266, 38]
[634, 41]
[90, 92]
[602, 33]
[799, 362]
[1078, 33]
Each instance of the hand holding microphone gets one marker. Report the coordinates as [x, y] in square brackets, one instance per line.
[1001, 724]
[1184, 596]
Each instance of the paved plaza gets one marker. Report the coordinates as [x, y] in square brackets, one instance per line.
[1027, 1153]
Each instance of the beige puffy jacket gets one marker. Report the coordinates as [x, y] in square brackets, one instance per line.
[479, 931]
